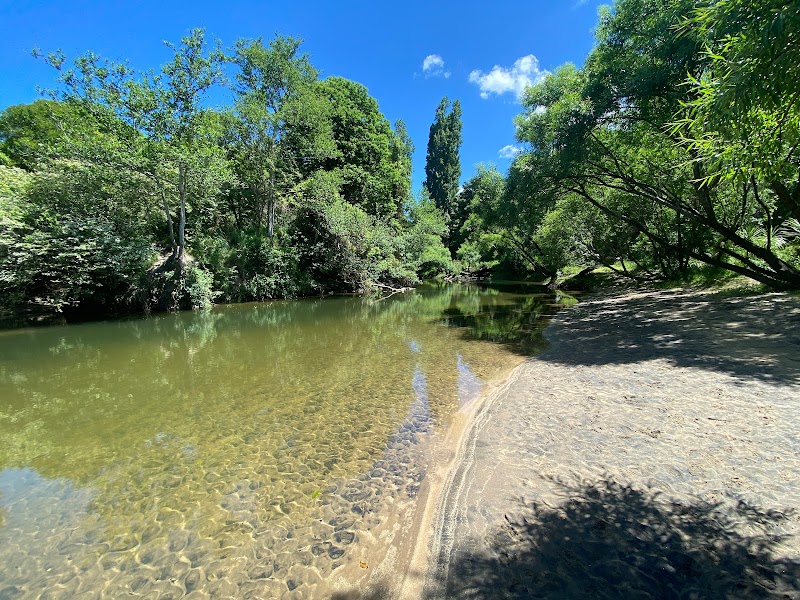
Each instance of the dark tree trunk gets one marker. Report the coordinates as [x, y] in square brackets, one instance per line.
[170, 226]
[182, 222]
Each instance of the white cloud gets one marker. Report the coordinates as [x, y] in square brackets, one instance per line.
[433, 66]
[509, 151]
[500, 80]
[432, 61]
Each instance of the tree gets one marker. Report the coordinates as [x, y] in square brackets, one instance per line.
[271, 87]
[402, 151]
[366, 157]
[31, 132]
[442, 163]
[505, 209]
[743, 117]
[302, 186]
[604, 133]
[60, 249]
[172, 138]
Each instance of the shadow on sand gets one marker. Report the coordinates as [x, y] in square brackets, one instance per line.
[608, 540]
[750, 337]
[381, 592]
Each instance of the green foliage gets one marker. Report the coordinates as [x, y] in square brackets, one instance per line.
[30, 132]
[343, 243]
[480, 238]
[341, 240]
[160, 129]
[13, 183]
[172, 285]
[421, 243]
[501, 221]
[272, 103]
[251, 267]
[402, 149]
[51, 262]
[198, 286]
[134, 194]
[56, 252]
[610, 179]
[369, 159]
[742, 116]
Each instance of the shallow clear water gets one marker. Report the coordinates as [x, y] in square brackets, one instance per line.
[251, 450]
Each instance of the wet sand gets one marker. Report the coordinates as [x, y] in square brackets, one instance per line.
[652, 452]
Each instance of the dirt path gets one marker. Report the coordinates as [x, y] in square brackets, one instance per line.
[652, 452]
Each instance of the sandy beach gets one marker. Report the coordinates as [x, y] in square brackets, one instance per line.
[652, 452]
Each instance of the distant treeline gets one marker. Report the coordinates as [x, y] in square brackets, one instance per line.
[674, 147]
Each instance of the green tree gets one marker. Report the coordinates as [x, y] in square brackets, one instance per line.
[173, 139]
[402, 152]
[31, 132]
[744, 109]
[366, 158]
[59, 249]
[603, 133]
[272, 89]
[421, 241]
[442, 162]
[503, 219]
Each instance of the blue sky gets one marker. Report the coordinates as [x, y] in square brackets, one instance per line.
[479, 52]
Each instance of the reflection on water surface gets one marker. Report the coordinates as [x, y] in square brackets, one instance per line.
[251, 450]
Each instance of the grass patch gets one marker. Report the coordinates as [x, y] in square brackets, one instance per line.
[700, 278]
[715, 280]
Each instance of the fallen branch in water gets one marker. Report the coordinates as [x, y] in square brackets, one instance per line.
[392, 290]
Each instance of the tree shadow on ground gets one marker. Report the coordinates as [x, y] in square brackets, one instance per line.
[380, 592]
[750, 337]
[608, 540]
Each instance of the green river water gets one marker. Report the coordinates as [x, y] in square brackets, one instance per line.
[251, 451]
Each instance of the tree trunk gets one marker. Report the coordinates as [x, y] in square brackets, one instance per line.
[182, 222]
[786, 198]
[169, 222]
[271, 206]
[779, 280]
[766, 210]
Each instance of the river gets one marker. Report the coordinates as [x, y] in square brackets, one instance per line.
[255, 450]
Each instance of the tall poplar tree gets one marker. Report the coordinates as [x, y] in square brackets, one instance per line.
[442, 165]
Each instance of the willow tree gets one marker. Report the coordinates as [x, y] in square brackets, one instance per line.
[743, 117]
[605, 133]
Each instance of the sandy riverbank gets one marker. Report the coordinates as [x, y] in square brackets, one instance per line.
[652, 451]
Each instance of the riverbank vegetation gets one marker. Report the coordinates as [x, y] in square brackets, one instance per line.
[673, 148]
[125, 192]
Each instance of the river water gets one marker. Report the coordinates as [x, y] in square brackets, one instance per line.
[258, 450]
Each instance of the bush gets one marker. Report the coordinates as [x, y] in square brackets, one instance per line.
[55, 256]
[198, 288]
[421, 246]
[50, 263]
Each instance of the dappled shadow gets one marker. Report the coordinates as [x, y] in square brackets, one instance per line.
[609, 540]
[749, 337]
[379, 592]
